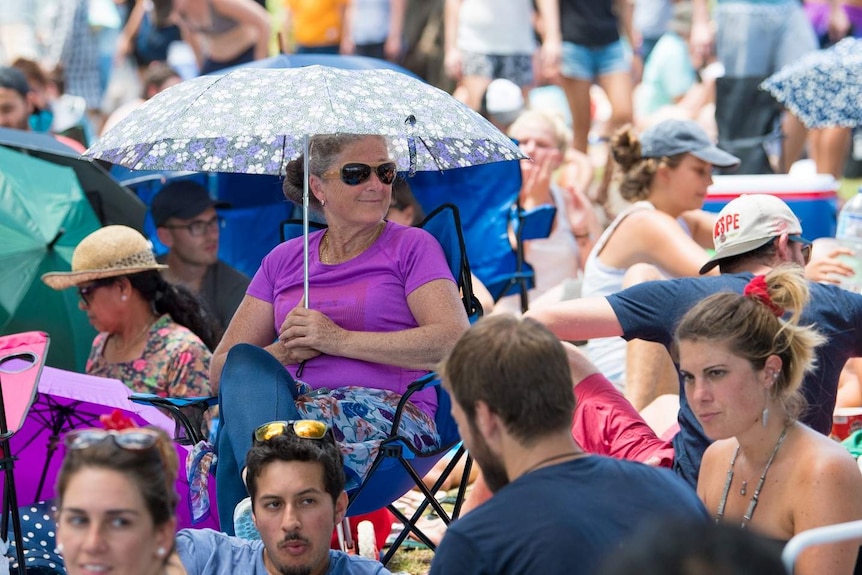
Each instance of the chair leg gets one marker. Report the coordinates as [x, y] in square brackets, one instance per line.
[10, 507]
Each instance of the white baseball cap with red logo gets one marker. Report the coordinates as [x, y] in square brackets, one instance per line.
[749, 222]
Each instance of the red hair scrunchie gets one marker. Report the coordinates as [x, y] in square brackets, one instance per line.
[757, 289]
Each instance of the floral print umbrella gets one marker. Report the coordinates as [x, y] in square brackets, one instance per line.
[255, 120]
[824, 89]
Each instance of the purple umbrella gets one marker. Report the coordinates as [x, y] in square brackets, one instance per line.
[66, 401]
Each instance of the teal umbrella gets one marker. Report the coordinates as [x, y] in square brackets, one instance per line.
[44, 214]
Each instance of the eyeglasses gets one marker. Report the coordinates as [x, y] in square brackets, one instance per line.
[198, 227]
[86, 291]
[132, 439]
[305, 428]
[356, 173]
[806, 252]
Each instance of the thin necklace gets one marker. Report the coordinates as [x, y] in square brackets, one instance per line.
[550, 459]
[324, 247]
[120, 350]
[749, 513]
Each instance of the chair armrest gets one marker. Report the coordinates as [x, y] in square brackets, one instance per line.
[187, 413]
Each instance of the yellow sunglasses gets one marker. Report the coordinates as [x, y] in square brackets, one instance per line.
[305, 428]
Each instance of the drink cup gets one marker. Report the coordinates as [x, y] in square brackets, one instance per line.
[846, 420]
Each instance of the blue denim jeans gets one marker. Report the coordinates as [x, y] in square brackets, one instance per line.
[255, 388]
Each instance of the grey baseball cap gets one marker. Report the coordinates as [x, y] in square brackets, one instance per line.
[673, 137]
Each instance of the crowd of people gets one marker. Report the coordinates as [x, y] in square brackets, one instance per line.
[714, 342]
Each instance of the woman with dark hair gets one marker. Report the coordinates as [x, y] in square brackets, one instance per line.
[117, 502]
[153, 335]
[383, 309]
[666, 171]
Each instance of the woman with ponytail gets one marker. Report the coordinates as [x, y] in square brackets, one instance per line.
[743, 358]
[153, 336]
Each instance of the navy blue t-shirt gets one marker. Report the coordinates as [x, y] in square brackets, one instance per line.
[565, 518]
[652, 310]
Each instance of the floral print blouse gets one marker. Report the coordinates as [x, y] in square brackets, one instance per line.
[175, 362]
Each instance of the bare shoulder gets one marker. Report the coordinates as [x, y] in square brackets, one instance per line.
[823, 460]
[713, 470]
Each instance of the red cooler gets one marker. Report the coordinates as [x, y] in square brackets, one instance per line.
[812, 198]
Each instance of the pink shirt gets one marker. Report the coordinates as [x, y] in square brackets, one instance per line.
[367, 293]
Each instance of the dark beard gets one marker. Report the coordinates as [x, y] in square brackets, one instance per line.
[492, 466]
[304, 570]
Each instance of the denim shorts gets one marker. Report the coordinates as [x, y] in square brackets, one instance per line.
[517, 68]
[590, 62]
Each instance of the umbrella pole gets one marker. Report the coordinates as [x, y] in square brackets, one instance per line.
[53, 441]
[305, 220]
[10, 498]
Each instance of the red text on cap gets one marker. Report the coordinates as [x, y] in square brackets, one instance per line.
[724, 224]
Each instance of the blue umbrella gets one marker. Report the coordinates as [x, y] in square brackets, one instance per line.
[824, 89]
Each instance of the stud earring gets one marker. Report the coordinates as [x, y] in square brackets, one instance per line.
[60, 548]
[124, 297]
[161, 551]
[322, 203]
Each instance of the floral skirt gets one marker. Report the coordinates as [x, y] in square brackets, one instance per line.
[361, 419]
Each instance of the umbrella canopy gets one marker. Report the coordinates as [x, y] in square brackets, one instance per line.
[824, 89]
[112, 202]
[255, 121]
[345, 62]
[66, 401]
[43, 216]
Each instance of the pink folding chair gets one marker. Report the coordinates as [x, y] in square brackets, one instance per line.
[21, 358]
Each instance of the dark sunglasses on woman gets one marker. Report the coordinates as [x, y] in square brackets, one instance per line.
[356, 173]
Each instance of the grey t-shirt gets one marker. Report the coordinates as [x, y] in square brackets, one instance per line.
[208, 552]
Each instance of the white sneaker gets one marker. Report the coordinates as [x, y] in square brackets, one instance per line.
[243, 524]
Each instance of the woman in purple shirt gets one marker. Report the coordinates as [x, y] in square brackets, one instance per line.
[383, 310]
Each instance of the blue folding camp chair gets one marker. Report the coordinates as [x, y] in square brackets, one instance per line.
[487, 199]
[398, 467]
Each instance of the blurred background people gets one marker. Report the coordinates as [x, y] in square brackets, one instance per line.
[489, 39]
[313, 26]
[222, 33]
[187, 223]
[374, 28]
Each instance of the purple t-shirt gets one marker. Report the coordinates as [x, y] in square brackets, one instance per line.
[367, 293]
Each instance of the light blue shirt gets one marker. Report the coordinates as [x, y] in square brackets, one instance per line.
[208, 552]
[668, 74]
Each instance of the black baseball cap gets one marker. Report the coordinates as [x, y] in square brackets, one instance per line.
[182, 199]
[14, 79]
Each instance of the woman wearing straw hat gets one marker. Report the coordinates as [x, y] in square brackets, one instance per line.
[152, 335]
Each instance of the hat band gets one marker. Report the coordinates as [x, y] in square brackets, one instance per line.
[139, 259]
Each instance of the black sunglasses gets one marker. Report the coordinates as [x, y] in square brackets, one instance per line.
[85, 291]
[356, 173]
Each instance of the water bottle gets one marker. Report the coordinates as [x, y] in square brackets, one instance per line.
[849, 235]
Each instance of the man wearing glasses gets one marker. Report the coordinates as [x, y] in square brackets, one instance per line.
[187, 223]
[296, 482]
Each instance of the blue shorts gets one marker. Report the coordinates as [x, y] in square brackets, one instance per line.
[588, 63]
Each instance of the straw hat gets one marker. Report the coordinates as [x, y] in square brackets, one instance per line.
[108, 252]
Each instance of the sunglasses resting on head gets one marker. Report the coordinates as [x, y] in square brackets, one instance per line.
[305, 428]
[132, 439]
[355, 173]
